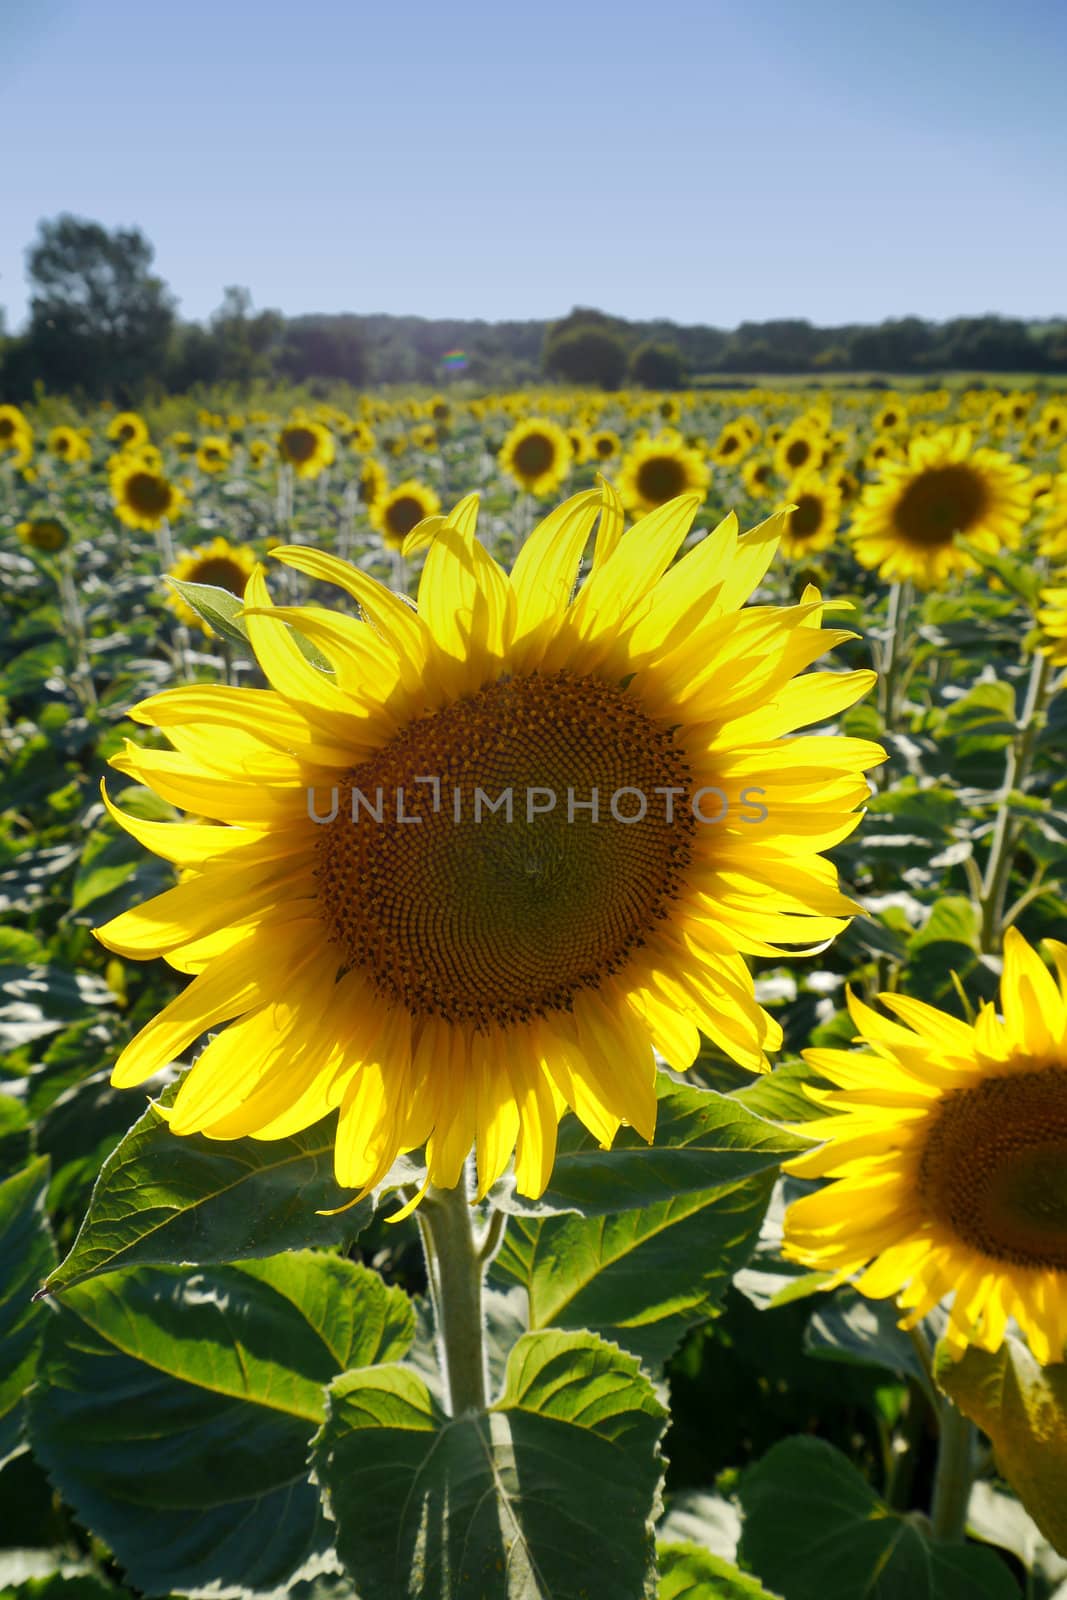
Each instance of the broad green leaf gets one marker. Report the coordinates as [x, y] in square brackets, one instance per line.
[639, 1277]
[815, 1530]
[26, 1254]
[1023, 1408]
[687, 1572]
[704, 1140]
[220, 609]
[995, 1516]
[547, 1496]
[1022, 577]
[16, 1134]
[174, 1412]
[163, 1199]
[849, 1327]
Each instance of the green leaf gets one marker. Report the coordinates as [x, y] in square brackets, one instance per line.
[1022, 1406]
[703, 1140]
[547, 1496]
[174, 1412]
[689, 1573]
[165, 1199]
[953, 920]
[26, 1254]
[815, 1530]
[220, 609]
[1020, 576]
[849, 1327]
[639, 1277]
[16, 1134]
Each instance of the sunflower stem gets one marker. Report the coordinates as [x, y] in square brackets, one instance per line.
[896, 617]
[954, 1475]
[456, 1270]
[1002, 847]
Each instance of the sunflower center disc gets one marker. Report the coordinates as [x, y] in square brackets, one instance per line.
[940, 503]
[994, 1169]
[807, 516]
[404, 514]
[147, 493]
[299, 444]
[660, 478]
[534, 455]
[221, 573]
[496, 918]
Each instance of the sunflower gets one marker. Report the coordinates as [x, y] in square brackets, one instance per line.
[424, 436]
[811, 525]
[397, 511]
[907, 524]
[948, 1147]
[214, 453]
[183, 444]
[655, 470]
[260, 452]
[537, 455]
[883, 447]
[733, 443]
[604, 444]
[373, 482]
[756, 475]
[360, 438]
[220, 564]
[306, 446]
[579, 442]
[1053, 622]
[144, 498]
[67, 444]
[890, 417]
[798, 450]
[463, 981]
[46, 534]
[127, 428]
[16, 435]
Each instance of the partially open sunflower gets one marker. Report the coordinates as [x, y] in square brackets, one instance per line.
[947, 1147]
[462, 979]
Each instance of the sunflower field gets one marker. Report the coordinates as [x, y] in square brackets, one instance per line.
[533, 1008]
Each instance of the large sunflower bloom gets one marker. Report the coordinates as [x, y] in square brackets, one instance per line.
[656, 470]
[537, 454]
[128, 429]
[464, 979]
[907, 524]
[948, 1145]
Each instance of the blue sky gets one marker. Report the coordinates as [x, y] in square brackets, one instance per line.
[706, 162]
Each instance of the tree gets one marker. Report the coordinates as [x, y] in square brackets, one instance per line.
[658, 366]
[587, 348]
[100, 320]
[325, 347]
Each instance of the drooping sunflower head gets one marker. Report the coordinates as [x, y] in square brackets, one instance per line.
[46, 534]
[306, 446]
[656, 470]
[221, 565]
[580, 445]
[214, 453]
[907, 525]
[128, 429]
[612, 814]
[946, 1144]
[372, 482]
[360, 438]
[812, 523]
[260, 452]
[537, 455]
[756, 475]
[732, 444]
[183, 444]
[142, 496]
[396, 511]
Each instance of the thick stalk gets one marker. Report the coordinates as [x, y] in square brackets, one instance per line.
[1001, 850]
[456, 1271]
[954, 1475]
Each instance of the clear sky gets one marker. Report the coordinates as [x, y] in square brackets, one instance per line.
[703, 161]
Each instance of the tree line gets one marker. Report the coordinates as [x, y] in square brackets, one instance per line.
[103, 325]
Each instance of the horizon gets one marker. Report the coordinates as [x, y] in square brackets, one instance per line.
[729, 170]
